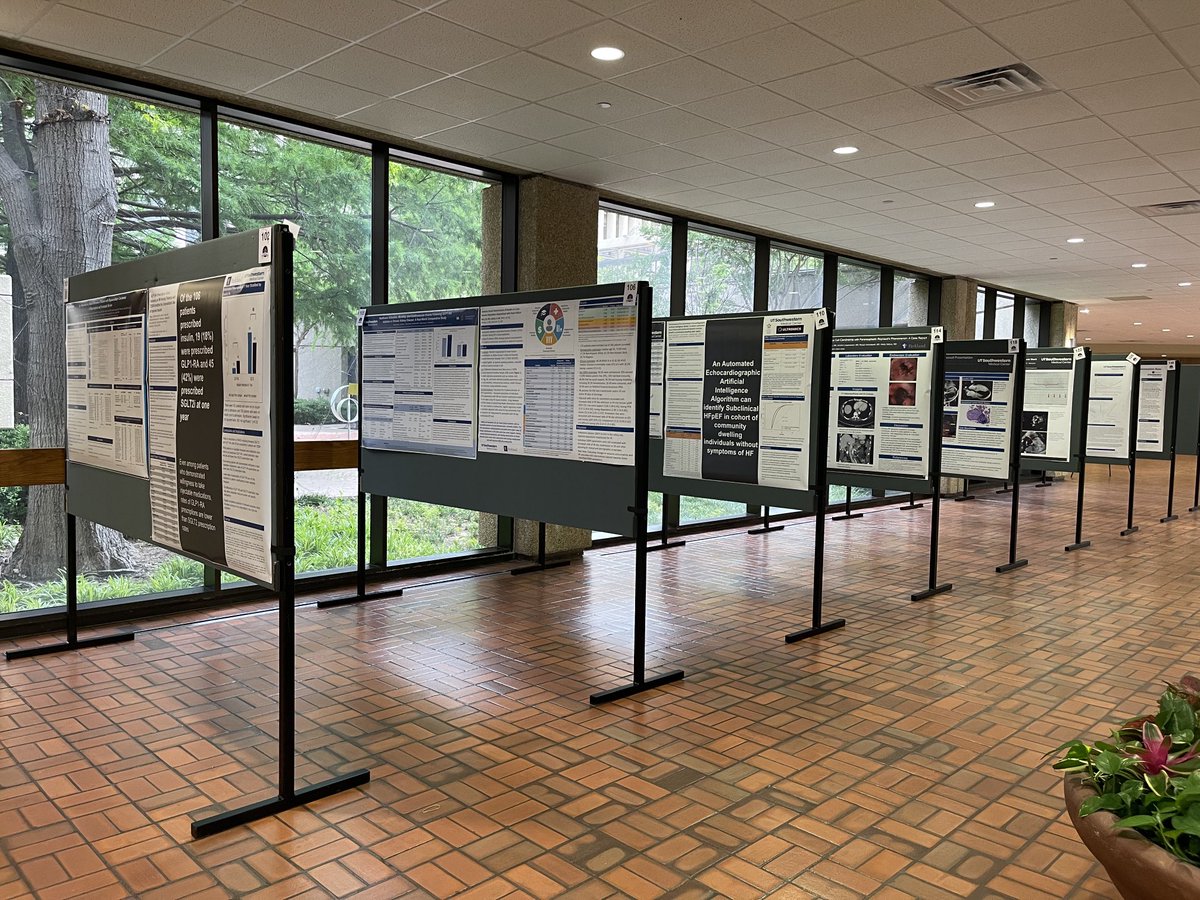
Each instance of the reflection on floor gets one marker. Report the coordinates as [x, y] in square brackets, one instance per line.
[899, 757]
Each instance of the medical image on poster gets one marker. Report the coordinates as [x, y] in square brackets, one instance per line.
[1033, 443]
[949, 424]
[950, 388]
[903, 368]
[1049, 399]
[902, 393]
[856, 449]
[856, 412]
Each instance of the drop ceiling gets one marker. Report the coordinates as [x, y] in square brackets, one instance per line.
[731, 109]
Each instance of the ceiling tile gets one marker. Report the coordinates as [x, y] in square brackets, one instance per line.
[775, 162]
[1002, 166]
[681, 81]
[1139, 93]
[1185, 41]
[17, 15]
[542, 157]
[575, 49]
[990, 10]
[254, 34]
[839, 83]
[946, 56]
[694, 197]
[853, 190]
[304, 91]
[1121, 187]
[1064, 194]
[816, 177]
[1155, 119]
[1028, 113]
[723, 145]
[520, 24]
[658, 159]
[770, 55]
[943, 129]
[793, 130]
[668, 125]
[799, 10]
[649, 186]
[397, 117]
[173, 18]
[748, 106]
[1101, 151]
[357, 66]
[527, 76]
[1120, 168]
[1181, 162]
[1111, 62]
[889, 164]
[456, 97]
[601, 142]
[437, 44]
[584, 103]
[925, 178]
[1167, 14]
[895, 108]
[204, 64]
[891, 24]
[952, 193]
[537, 122]
[1170, 141]
[598, 171]
[348, 19]
[710, 174]
[752, 188]
[99, 36]
[970, 150]
[1071, 26]
[700, 24]
[1066, 134]
[479, 140]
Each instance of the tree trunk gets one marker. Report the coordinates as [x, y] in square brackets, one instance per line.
[68, 231]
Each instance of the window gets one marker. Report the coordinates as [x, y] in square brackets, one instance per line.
[910, 299]
[796, 279]
[1004, 315]
[720, 274]
[120, 178]
[857, 295]
[980, 312]
[1033, 322]
[635, 248]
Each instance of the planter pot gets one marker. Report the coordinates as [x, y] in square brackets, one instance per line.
[1139, 869]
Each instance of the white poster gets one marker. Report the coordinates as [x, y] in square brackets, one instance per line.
[558, 379]
[7, 374]
[106, 401]
[1047, 413]
[1109, 400]
[419, 381]
[658, 355]
[1152, 406]
[881, 403]
[737, 399]
[977, 414]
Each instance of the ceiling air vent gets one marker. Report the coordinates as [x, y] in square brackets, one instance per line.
[1129, 297]
[1178, 208]
[1007, 83]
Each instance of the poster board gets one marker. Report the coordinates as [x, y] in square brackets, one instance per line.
[883, 425]
[7, 355]
[1112, 408]
[733, 412]
[1158, 387]
[1054, 415]
[1187, 429]
[982, 392]
[209, 383]
[559, 377]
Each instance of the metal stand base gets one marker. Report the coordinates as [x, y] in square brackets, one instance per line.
[831, 625]
[224, 821]
[1193, 508]
[766, 529]
[844, 516]
[1004, 490]
[636, 687]
[1008, 567]
[1128, 531]
[961, 498]
[912, 506]
[932, 592]
[1168, 518]
[1077, 546]
[540, 567]
[26, 652]
[335, 602]
[1043, 483]
[666, 546]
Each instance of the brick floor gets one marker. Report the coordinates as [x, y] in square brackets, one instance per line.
[899, 757]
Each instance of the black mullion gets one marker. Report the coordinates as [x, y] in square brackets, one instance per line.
[377, 551]
[989, 314]
[887, 296]
[829, 284]
[1044, 324]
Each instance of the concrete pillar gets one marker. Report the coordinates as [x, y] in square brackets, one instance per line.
[556, 247]
[1064, 319]
[958, 308]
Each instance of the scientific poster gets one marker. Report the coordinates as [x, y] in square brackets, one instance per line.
[977, 414]
[1109, 400]
[1047, 413]
[209, 375]
[419, 381]
[7, 379]
[106, 400]
[1152, 406]
[658, 353]
[558, 379]
[881, 403]
[737, 399]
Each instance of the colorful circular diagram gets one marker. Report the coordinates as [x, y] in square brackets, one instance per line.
[549, 324]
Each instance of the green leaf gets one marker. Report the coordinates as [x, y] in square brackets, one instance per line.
[1109, 763]
[1099, 802]
[1185, 825]
[1131, 791]
[1136, 822]
[1159, 783]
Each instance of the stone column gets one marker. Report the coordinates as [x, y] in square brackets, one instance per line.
[556, 247]
[1064, 319]
[958, 318]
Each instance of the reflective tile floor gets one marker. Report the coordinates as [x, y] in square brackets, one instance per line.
[898, 757]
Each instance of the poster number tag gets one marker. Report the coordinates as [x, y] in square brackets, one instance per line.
[360, 318]
[938, 334]
[1014, 345]
[630, 298]
[1134, 358]
[264, 246]
[821, 319]
[1170, 365]
[1080, 352]
[66, 290]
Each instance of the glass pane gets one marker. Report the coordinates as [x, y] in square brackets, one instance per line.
[1033, 323]
[327, 520]
[980, 304]
[720, 274]
[417, 530]
[114, 179]
[632, 248]
[910, 299]
[796, 280]
[701, 509]
[858, 296]
[326, 191]
[1004, 315]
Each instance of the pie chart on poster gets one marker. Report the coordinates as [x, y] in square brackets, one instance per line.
[549, 323]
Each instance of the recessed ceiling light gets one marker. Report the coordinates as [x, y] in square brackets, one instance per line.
[1087, 339]
[1191, 335]
[1185, 284]
[1085, 310]
[985, 204]
[608, 54]
[1137, 323]
[1166, 329]
[604, 104]
[845, 151]
[1138, 266]
[1074, 240]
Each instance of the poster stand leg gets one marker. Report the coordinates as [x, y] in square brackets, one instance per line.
[766, 527]
[1005, 490]
[288, 797]
[1013, 562]
[847, 514]
[818, 627]
[1080, 543]
[1170, 516]
[1130, 528]
[640, 681]
[72, 642]
[965, 495]
[934, 588]
[360, 585]
[1196, 490]
[541, 565]
[912, 502]
[665, 542]
[1045, 482]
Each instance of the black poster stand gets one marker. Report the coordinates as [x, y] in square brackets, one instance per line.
[1170, 426]
[1131, 462]
[541, 565]
[849, 513]
[766, 527]
[1171, 516]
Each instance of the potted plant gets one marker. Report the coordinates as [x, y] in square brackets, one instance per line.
[1135, 800]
